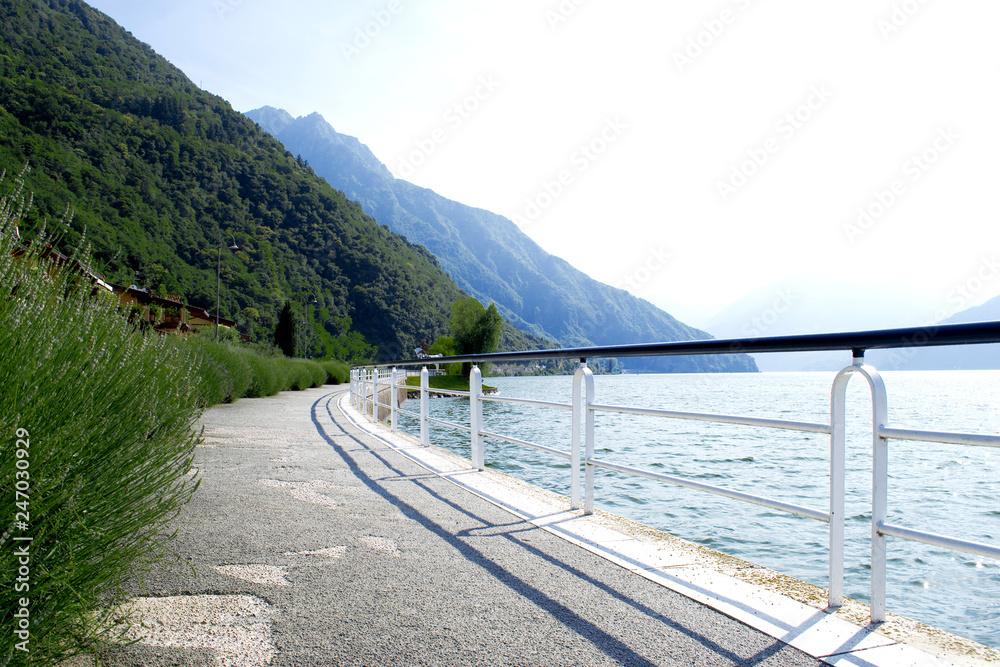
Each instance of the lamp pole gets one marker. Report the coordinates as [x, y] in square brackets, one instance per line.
[218, 282]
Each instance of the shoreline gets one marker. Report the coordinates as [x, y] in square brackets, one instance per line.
[414, 394]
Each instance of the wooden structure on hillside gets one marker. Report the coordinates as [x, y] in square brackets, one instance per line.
[166, 315]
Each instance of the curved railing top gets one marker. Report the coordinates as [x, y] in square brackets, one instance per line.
[856, 341]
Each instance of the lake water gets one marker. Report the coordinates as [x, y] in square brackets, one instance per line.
[949, 489]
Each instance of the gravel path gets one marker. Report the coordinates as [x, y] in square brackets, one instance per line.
[309, 543]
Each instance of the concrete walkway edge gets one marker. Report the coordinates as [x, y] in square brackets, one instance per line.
[767, 601]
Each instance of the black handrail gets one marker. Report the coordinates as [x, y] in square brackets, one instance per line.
[856, 341]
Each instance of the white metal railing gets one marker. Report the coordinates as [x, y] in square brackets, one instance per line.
[367, 382]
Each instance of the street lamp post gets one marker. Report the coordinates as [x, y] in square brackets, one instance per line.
[218, 282]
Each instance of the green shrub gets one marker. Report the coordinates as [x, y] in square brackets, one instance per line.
[337, 372]
[227, 371]
[283, 372]
[301, 376]
[107, 415]
[318, 373]
[264, 380]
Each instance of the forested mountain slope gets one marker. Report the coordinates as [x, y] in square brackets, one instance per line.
[489, 256]
[156, 169]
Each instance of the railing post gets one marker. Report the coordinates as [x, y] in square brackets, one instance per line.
[359, 390]
[355, 381]
[880, 484]
[838, 461]
[425, 408]
[363, 390]
[393, 399]
[367, 400]
[880, 492]
[476, 416]
[374, 394]
[588, 437]
[576, 437]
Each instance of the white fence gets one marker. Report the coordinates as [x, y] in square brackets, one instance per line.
[367, 382]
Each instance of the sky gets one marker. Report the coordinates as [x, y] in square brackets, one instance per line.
[688, 152]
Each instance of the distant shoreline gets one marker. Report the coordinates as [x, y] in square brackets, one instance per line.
[432, 393]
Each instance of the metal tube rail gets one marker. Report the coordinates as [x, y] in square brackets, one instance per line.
[808, 427]
[452, 392]
[376, 405]
[448, 424]
[945, 437]
[529, 445]
[855, 341]
[791, 508]
[528, 401]
[943, 541]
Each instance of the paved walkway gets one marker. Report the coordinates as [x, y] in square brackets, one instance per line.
[311, 543]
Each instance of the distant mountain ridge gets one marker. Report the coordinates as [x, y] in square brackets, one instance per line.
[952, 357]
[489, 256]
[807, 303]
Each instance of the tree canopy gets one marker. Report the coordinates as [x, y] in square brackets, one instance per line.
[475, 329]
[284, 333]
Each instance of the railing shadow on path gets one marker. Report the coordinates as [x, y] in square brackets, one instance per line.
[600, 638]
[786, 632]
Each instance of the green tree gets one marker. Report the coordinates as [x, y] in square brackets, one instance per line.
[445, 345]
[284, 333]
[464, 314]
[475, 330]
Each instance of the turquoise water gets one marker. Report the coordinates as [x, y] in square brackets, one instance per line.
[948, 489]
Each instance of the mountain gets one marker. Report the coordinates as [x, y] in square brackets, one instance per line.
[163, 176]
[956, 357]
[807, 303]
[488, 256]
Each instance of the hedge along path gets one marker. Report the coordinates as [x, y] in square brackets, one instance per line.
[97, 440]
[107, 414]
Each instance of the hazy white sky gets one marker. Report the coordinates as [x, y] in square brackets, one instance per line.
[689, 152]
